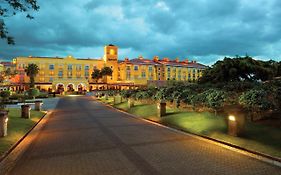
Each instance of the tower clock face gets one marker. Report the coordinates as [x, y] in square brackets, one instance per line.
[112, 52]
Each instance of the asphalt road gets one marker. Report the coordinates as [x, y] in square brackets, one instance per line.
[83, 136]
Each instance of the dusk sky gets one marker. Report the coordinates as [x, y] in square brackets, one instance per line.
[203, 30]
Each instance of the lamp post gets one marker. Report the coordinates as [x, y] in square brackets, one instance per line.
[161, 108]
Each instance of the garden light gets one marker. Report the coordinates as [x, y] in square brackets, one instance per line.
[231, 118]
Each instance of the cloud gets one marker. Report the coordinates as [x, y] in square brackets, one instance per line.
[194, 29]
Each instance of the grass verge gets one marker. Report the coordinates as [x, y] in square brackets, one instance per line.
[18, 127]
[257, 137]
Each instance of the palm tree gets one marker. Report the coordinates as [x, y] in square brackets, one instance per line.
[96, 75]
[32, 70]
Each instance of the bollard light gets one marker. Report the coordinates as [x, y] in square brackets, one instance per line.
[6, 120]
[231, 118]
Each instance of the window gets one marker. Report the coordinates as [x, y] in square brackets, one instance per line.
[179, 77]
[143, 75]
[150, 68]
[128, 68]
[78, 74]
[86, 74]
[51, 67]
[78, 67]
[60, 74]
[128, 75]
[51, 79]
[87, 67]
[69, 67]
[136, 67]
[69, 74]
[194, 71]
[168, 69]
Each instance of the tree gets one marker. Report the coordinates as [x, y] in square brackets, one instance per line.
[240, 69]
[215, 99]
[4, 97]
[96, 75]
[106, 71]
[31, 71]
[33, 92]
[10, 8]
[255, 101]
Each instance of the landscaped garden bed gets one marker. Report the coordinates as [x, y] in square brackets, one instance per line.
[256, 137]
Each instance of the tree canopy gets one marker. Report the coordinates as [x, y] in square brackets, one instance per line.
[241, 69]
[10, 8]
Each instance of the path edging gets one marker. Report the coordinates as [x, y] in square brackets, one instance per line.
[253, 154]
[9, 160]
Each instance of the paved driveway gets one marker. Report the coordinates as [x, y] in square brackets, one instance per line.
[85, 137]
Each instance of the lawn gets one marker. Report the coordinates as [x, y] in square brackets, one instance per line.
[17, 128]
[257, 137]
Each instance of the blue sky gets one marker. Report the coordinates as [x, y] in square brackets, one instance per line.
[203, 30]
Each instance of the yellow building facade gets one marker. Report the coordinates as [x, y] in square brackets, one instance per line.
[73, 74]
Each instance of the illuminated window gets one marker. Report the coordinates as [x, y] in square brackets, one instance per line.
[78, 67]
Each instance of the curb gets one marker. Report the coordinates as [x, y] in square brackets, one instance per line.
[250, 153]
[10, 158]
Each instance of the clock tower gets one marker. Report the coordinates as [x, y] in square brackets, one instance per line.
[110, 53]
[110, 59]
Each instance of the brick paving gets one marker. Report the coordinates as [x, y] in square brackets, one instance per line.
[84, 137]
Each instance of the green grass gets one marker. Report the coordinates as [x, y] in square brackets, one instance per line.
[17, 128]
[108, 101]
[257, 137]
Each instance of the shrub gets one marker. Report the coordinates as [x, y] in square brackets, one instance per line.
[33, 92]
[255, 101]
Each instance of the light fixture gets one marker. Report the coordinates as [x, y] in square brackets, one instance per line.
[231, 118]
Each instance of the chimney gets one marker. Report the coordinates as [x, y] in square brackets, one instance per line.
[140, 57]
[177, 60]
[166, 59]
[126, 59]
[186, 61]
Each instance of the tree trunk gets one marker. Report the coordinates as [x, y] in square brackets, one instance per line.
[31, 81]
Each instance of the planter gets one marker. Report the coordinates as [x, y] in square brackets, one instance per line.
[3, 123]
[38, 105]
[25, 111]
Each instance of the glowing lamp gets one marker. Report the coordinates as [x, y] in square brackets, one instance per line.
[231, 118]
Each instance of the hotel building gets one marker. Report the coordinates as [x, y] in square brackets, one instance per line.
[74, 74]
